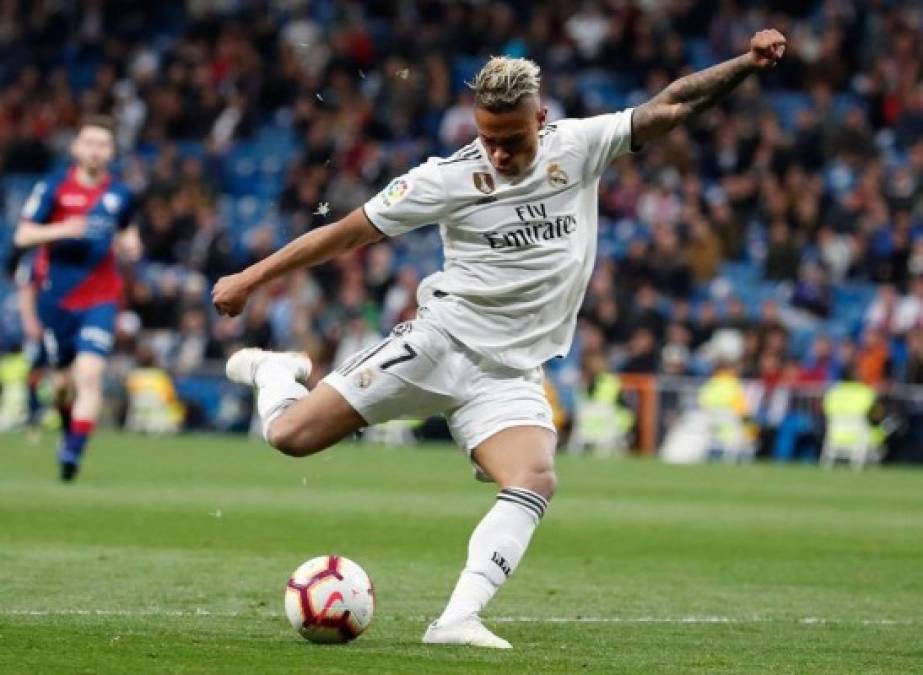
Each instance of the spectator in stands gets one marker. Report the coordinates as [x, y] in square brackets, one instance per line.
[669, 264]
[812, 292]
[674, 360]
[704, 248]
[641, 357]
[783, 255]
[836, 253]
[357, 336]
[872, 364]
[706, 324]
[908, 314]
[913, 368]
[634, 270]
[674, 355]
[194, 344]
[818, 368]
[646, 312]
[400, 301]
[882, 312]
[736, 316]
[727, 226]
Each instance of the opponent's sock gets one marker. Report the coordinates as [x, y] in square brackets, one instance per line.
[494, 551]
[75, 440]
[35, 403]
[276, 391]
[64, 410]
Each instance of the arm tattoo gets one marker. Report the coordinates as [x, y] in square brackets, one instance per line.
[688, 96]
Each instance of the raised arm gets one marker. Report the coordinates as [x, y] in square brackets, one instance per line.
[689, 95]
[231, 292]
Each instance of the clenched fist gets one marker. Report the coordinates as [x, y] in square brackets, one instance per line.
[230, 294]
[766, 48]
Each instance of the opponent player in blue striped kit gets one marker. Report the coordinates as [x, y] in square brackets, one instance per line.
[79, 219]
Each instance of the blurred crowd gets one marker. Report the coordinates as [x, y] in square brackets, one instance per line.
[808, 179]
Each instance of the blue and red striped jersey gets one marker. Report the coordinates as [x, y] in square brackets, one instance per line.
[80, 273]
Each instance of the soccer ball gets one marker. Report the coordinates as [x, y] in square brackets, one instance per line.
[329, 599]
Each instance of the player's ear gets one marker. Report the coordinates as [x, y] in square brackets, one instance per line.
[541, 116]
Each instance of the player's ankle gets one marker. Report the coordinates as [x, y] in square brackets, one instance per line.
[457, 617]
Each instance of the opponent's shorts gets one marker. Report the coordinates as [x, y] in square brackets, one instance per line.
[420, 370]
[70, 332]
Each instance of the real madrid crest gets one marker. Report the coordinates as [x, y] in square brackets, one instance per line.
[483, 181]
[557, 176]
[364, 378]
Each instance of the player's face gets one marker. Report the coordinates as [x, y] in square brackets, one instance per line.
[93, 148]
[511, 138]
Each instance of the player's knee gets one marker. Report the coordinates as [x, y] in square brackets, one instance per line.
[543, 480]
[286, 438]
[547, 483]
[87, 378]
[292, 438]
[88, 388]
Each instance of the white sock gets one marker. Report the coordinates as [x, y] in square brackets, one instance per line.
[276, 391]
[494, 551]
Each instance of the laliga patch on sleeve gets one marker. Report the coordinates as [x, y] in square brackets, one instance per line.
[396, 191]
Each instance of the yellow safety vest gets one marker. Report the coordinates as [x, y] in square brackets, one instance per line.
[153, 404]
[597, 418]
[723, 398]
[846, 407]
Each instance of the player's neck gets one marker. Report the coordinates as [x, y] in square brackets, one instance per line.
[87, 178]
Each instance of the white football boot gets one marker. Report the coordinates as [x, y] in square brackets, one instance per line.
[469, 632]
[243, 364]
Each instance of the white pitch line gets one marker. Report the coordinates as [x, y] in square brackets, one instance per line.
[129, 612]
[695, 620]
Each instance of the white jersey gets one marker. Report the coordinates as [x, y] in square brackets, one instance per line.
[518, 252]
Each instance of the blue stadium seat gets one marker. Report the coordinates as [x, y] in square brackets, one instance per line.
[203, 390]
[787, 105]
[699, 53]
[602, 90]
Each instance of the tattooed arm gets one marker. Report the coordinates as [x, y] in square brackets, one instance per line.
[691, 94]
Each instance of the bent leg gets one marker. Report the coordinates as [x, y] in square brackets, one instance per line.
[520, 457]
[362, 392]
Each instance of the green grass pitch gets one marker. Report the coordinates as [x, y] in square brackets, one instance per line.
[171, 555]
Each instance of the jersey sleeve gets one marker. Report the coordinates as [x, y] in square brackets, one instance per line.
[40, 204]
[127, 211]
[606, 137]
[417, 198]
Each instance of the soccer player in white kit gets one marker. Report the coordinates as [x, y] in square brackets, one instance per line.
[517, 212]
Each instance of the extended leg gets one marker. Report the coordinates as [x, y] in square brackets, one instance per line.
[521, 461]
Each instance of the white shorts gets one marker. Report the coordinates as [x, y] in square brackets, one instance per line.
[419, 371]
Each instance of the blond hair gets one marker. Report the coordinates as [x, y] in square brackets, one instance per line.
[504, 82]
